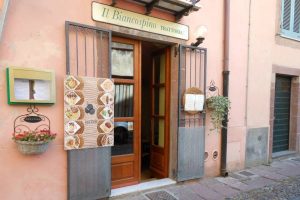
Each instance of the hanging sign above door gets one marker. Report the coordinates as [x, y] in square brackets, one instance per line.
[120, 17]
[88, 113]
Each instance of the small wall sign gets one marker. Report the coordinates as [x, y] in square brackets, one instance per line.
[120, 17]
[88, 113]
[27, 85]
[32, 119]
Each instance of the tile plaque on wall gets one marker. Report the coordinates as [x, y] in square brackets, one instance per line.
[88, 112]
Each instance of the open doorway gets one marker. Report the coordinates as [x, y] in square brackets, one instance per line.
[141, 74]
[155, 111]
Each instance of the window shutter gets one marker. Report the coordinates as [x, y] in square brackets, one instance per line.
[290, 18]
[297, 17]
[286, 15]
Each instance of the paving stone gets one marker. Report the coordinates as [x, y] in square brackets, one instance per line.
[208, 181]
[296, 159]
[134, 196]
[234, 183]
[141, 197]
[240, 186]
[268, 174]
[290, 171]
[237, 176]
[223, 189]
[266, 168]
[296, 163]
[246, 173]
[205, 192]
[183, 193]
[288, 189]
[281, 165]
[294, 198]
[258, 182]
[280, 180]
[227, 180]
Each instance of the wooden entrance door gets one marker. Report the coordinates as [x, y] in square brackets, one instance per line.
[125, 58]
[281, 127]
[159, 151]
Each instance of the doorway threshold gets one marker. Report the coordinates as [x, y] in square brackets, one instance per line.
[142, 186]
[282, 154]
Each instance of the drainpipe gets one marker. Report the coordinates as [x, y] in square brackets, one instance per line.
[3, 13]
[224, 172]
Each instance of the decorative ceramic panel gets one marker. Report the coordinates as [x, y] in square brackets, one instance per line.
[88, 112]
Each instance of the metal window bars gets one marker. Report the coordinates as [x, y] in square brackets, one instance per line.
[191, 73]
[88, 50]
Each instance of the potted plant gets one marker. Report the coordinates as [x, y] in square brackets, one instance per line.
[218, 107]
[33, 142]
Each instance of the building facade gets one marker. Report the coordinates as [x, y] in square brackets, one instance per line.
[259, 47]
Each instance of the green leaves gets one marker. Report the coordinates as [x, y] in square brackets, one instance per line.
[218, 107]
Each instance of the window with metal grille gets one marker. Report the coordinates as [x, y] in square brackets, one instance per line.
[290, 19]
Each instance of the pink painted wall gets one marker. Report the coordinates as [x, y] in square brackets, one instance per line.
[34, 36]
[211, 16]
[238, 58]
[260, 62]
[266, 48]
[264, 52]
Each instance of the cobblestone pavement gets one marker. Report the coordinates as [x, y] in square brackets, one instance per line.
[286, 189]
[280, 180]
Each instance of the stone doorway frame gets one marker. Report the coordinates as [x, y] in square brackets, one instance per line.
[294, 133]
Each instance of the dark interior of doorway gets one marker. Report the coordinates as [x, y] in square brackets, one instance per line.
[148, 49]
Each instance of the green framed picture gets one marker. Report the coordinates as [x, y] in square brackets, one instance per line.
[29, 85]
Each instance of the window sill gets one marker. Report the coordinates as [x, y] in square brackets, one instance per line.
[286, 41]
[287, 37]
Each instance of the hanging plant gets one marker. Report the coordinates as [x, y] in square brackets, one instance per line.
[218, 107]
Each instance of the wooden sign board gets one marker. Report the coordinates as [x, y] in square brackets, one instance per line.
[88, 112]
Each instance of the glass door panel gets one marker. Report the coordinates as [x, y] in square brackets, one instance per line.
[160, 114]
[124, 138]
[125, 73]
[159, 101]
[159, 69]
[122, 60]
[124, 100]
[159, 132]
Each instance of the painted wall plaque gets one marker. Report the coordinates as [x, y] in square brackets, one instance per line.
[88, 112]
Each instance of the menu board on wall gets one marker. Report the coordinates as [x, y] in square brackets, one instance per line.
[88, 112]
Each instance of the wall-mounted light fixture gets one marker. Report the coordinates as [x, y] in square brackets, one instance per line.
[200, 35]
